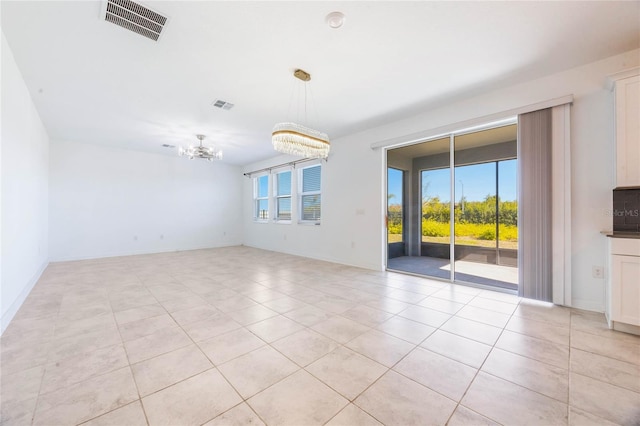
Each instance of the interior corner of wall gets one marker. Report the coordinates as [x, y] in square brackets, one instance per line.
[7, 316]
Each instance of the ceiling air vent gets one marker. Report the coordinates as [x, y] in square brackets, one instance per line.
[222, 105]
[166, 145]
[134, 17]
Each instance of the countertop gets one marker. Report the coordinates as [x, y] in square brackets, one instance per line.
[620, 234]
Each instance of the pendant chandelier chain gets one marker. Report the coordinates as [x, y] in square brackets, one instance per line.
[316, 116]
[306, 120]
[303, 94]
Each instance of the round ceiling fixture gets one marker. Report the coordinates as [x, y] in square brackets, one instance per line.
[335, 19]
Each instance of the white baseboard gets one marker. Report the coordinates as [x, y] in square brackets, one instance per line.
[141, 252]
[364, 265]
[15, 306]
[587, 305]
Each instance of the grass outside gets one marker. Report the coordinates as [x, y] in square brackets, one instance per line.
[470, 241]
[394, 238]
[467, 241]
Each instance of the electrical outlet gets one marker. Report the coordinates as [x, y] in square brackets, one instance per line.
[597, 272]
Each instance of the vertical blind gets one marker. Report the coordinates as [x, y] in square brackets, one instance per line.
[535, 259]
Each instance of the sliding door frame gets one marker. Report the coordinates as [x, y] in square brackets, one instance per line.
[562, 294]
[452, 207]
[451, 135]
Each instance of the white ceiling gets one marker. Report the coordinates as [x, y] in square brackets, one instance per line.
[95, 82]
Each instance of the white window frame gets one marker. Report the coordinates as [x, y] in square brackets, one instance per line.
[301, 194]
[257, 199]
[277, 196]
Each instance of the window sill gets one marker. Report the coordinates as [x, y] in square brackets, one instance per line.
[308, 223]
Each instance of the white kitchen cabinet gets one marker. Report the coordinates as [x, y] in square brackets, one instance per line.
[626, 88]
[623, 290]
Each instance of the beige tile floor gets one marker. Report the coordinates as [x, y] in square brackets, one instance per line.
[240, 336]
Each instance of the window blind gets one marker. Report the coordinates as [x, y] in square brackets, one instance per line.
[310, 199]
[311, 179]
[263, 186]
[283, 196]
[284, 183]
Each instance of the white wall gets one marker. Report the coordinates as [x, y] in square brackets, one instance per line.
[353, 192]
[111, 202]
[24, 221]
[350, 228]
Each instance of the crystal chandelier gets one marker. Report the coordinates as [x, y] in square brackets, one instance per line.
[292, 138]
[204, 152]
[296, 139]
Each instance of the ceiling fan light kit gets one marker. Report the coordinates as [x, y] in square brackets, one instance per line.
[201, 151]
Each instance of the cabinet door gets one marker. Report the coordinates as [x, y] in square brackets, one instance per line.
[625, 289]
[628, 131]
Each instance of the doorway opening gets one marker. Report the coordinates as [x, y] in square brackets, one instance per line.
[459, 201]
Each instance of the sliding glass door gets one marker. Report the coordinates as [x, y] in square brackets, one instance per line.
[435, 222]
[481, 196]
[475, 221]
[467, 210]
[508, 213]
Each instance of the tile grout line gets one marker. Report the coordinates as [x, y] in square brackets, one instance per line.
[571, 373]
[213, 365]
[133, 377]
[417, 346]
[101, 374]
[44, 370]
[334, 284]
[283, 314]
[480, 368]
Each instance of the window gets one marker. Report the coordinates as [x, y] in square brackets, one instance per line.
[274, 193]
[261, 198]
[283, 195]
[310, 194]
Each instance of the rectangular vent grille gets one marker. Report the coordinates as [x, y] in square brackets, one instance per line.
[135, 17]
[223, 105]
